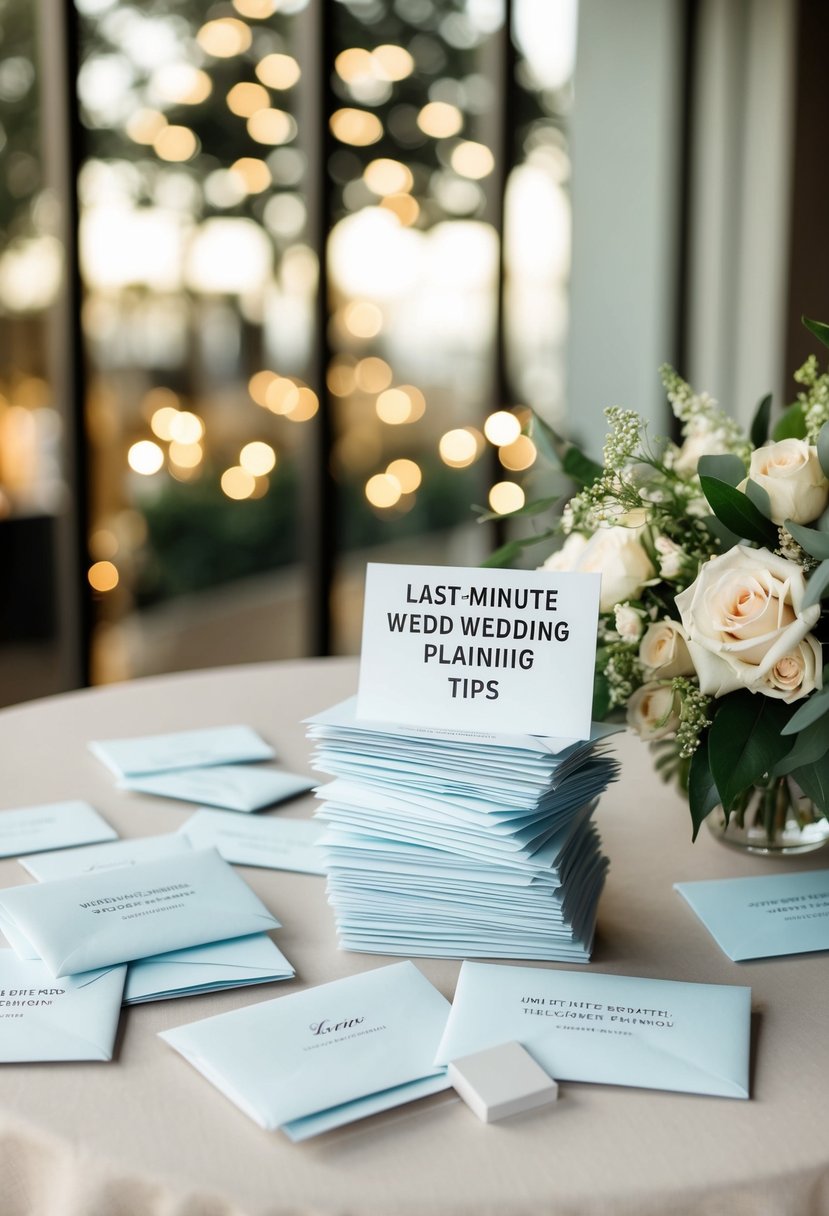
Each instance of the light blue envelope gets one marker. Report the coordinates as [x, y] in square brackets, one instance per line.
[71, 1019]
[611, 1029]
[113, 855]
[54, 825]
[320, 1058]
[232, 964]
[276, 844]
[181, 749]
[235, 787]
[765, 916]
[115, 916]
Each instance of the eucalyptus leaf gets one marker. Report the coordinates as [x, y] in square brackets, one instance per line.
[759, 497]
[536, 507]
[822, 524]
[813, 779]
[746, 741]
[506, 554]
[703, 794]
[549, 443]
[817, 328]
[726, 468]
[823, 448]
[816, 586]
[813, 708]
[815, 543]
[738, 512]
[718, 530]
[580, 467]
[791, 424]
[760, 424]
[810, 745]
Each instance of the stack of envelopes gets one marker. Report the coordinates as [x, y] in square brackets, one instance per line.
[455, 843]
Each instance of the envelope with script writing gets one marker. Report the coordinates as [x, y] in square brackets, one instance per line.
[114, 916]
[612, 1029]
[318, 1059]
[46, 1019]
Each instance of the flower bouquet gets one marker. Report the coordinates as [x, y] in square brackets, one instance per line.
[714, 555]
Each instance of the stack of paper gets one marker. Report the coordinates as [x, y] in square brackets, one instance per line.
[458, 843]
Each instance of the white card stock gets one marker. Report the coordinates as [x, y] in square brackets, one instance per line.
[274, 843]
[54, 825]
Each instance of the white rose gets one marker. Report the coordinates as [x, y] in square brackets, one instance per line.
[629, 623]
[702, 440]
[671, 557]
[617, 554]
[664, 652]
[566, 558]
[653, 711]
[741, 616]
[796, 673]
[790, 473]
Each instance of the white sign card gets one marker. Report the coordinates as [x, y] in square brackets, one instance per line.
[469, 648]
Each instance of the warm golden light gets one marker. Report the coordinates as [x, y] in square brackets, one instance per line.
[182, 84]
[103, 576]
[306, 406]
[502, 427]
[407, 473]
[458, 448]
[341, 377]
[253, 174]
[186, 455]
[175, 144]
[282, 395]
[356, 127]
[144, 126]
[386, 176]
[394, 407]
[355, 63]
[161, 421]
[238, 483]
[224, 37]
[383, 490]
[393, 63]
[186, 427]
[506, 497]
[372, 375]
[418, 401]
[440, 119]
[257, 10]
[259, 384]
[246, 98]
[278, 71]
[145, 457]
[271, 127]
[471, 159]
[257, 458]
[363, 319]
[518, 455]
[406, 208]
[103, 544]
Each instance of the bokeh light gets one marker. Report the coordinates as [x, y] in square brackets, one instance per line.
[407, 473]
[161, 421]
[458, 448]
[245, 98]
[360, 128]
[518, 455]
[307, 405]
[224, 37]
[257, 458]
[186, 427]
[102, 576]
[440, 119]
[237, 483]
[372, 374]
[252, 173]
[278, 71]
[175, 144]
[506, 497]
[259, 384]
[271, 127]
[282, 395]
[145, 457]
[471, 159]
[186, 455]
[502, 427]
[383, 490]
[363, 319]
[386, 176]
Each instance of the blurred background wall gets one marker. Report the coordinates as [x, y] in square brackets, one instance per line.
[280, 281]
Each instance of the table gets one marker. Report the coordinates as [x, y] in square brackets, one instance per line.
[148, 1135]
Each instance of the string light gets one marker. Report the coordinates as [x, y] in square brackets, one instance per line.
[145, 457]
[161, 421]
[278, 71]
[186, 428]
[271, 126]
[245, 98]
[382, 490]
[506, 497]
[257, 458]
[356, 127]
[259, 384]
[472, 160]
[237, 483]
[440, 119]
[372, 374]
[102, 576]
[502, 427]
[175, 144]
[407, 473]
[458, 448]
[186, 455]
[225, 37]
[519, 455]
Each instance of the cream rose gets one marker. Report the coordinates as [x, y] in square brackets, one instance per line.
[653, 711]
[790, 473]
[796, 673]
[629, 622]
[663, 651]
[743, 615]
[617, 554]
[670, 556]
[701, 440]
[566, 558]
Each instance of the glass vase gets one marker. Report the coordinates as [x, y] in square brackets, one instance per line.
[775, 819]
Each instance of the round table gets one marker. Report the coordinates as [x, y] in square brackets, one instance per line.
[147, 1134]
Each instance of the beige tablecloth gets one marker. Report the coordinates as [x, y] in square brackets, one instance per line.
[148, 1136]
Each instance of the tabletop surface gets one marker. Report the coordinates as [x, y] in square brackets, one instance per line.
[149, 1115]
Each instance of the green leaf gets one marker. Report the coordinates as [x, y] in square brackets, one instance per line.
[703, 794]
[559, 450]
[810, 745]
[738, 512]
[746, 741]
[815, 543]
[760, 424]
[823, 448]
[580, 467]
[816, 585]
[725, 468]
[817, 328]
[822, 523]
[601, 697]
[814, 707]
[549, 443]
[759, 497]
[791, 424]
[536, 507]
[718, 530]
[514, 548]
[813, 779]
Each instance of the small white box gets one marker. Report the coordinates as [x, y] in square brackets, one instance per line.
[501, 1081]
